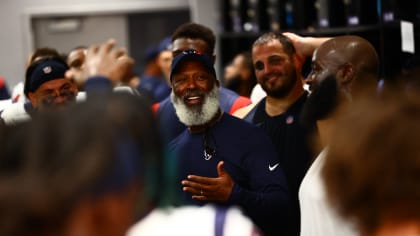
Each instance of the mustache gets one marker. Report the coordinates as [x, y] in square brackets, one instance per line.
[272, 74]
[193, 93]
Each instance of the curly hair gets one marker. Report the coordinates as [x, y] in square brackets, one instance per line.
[372, 170]
[196, 31]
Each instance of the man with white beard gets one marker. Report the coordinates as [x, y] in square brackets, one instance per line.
[220, 158]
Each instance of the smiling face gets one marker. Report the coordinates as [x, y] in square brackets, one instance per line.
[54, 94]
[194, 93]
[274, 68]
[76, 62]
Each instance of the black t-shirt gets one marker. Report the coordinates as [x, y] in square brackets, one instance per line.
[291, 141]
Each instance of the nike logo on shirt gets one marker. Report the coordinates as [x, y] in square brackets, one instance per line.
[271, 168]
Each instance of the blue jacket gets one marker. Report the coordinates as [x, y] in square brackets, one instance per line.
[156, 86]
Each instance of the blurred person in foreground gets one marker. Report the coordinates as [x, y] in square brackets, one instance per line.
[372, 167]
[93, 163]
[93, 172]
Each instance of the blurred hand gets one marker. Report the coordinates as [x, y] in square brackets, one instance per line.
[105, 60]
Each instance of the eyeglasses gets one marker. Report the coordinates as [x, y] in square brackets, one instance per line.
[66, 91]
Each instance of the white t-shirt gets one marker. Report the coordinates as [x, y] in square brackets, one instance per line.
[318, 217]
[15, 113]
[192, 221]
[257, 93]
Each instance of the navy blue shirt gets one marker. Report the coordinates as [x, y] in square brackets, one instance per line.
[291, 141]
[156, 86]
[250, 159]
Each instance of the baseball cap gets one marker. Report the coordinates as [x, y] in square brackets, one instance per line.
[151, 53]
[192, 55]
[165, 44]
[43, 71]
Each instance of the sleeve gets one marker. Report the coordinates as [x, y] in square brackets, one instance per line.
[239, 103]
[155, 108]
[98, 84]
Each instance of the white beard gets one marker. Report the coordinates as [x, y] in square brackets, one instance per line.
[192, 117]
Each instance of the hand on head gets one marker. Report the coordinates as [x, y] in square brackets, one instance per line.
[302, 49]
[305, 46]
[108, 61]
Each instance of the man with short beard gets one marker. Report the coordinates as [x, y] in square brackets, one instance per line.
[343, 69]
[222, 159]
[277, 66]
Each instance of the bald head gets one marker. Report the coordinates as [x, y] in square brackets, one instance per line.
[354, 51]
[343, 69]
[351, 59]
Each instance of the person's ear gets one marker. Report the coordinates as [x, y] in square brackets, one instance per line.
[345, 78]
[345, 74]
[33, 99]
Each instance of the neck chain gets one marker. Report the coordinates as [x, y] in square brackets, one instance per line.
[209, 143]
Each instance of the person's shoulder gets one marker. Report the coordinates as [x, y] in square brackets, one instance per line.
[231, 101]
[257, 93]
[148, 82]
[247, 113]
[15, 113]
[240, 126]
[242, 112]
[177, 141]
[166, 102]
[5, 103]
[166, 107]
[227, 92]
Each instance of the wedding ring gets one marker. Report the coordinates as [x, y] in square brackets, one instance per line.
[201, 192]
